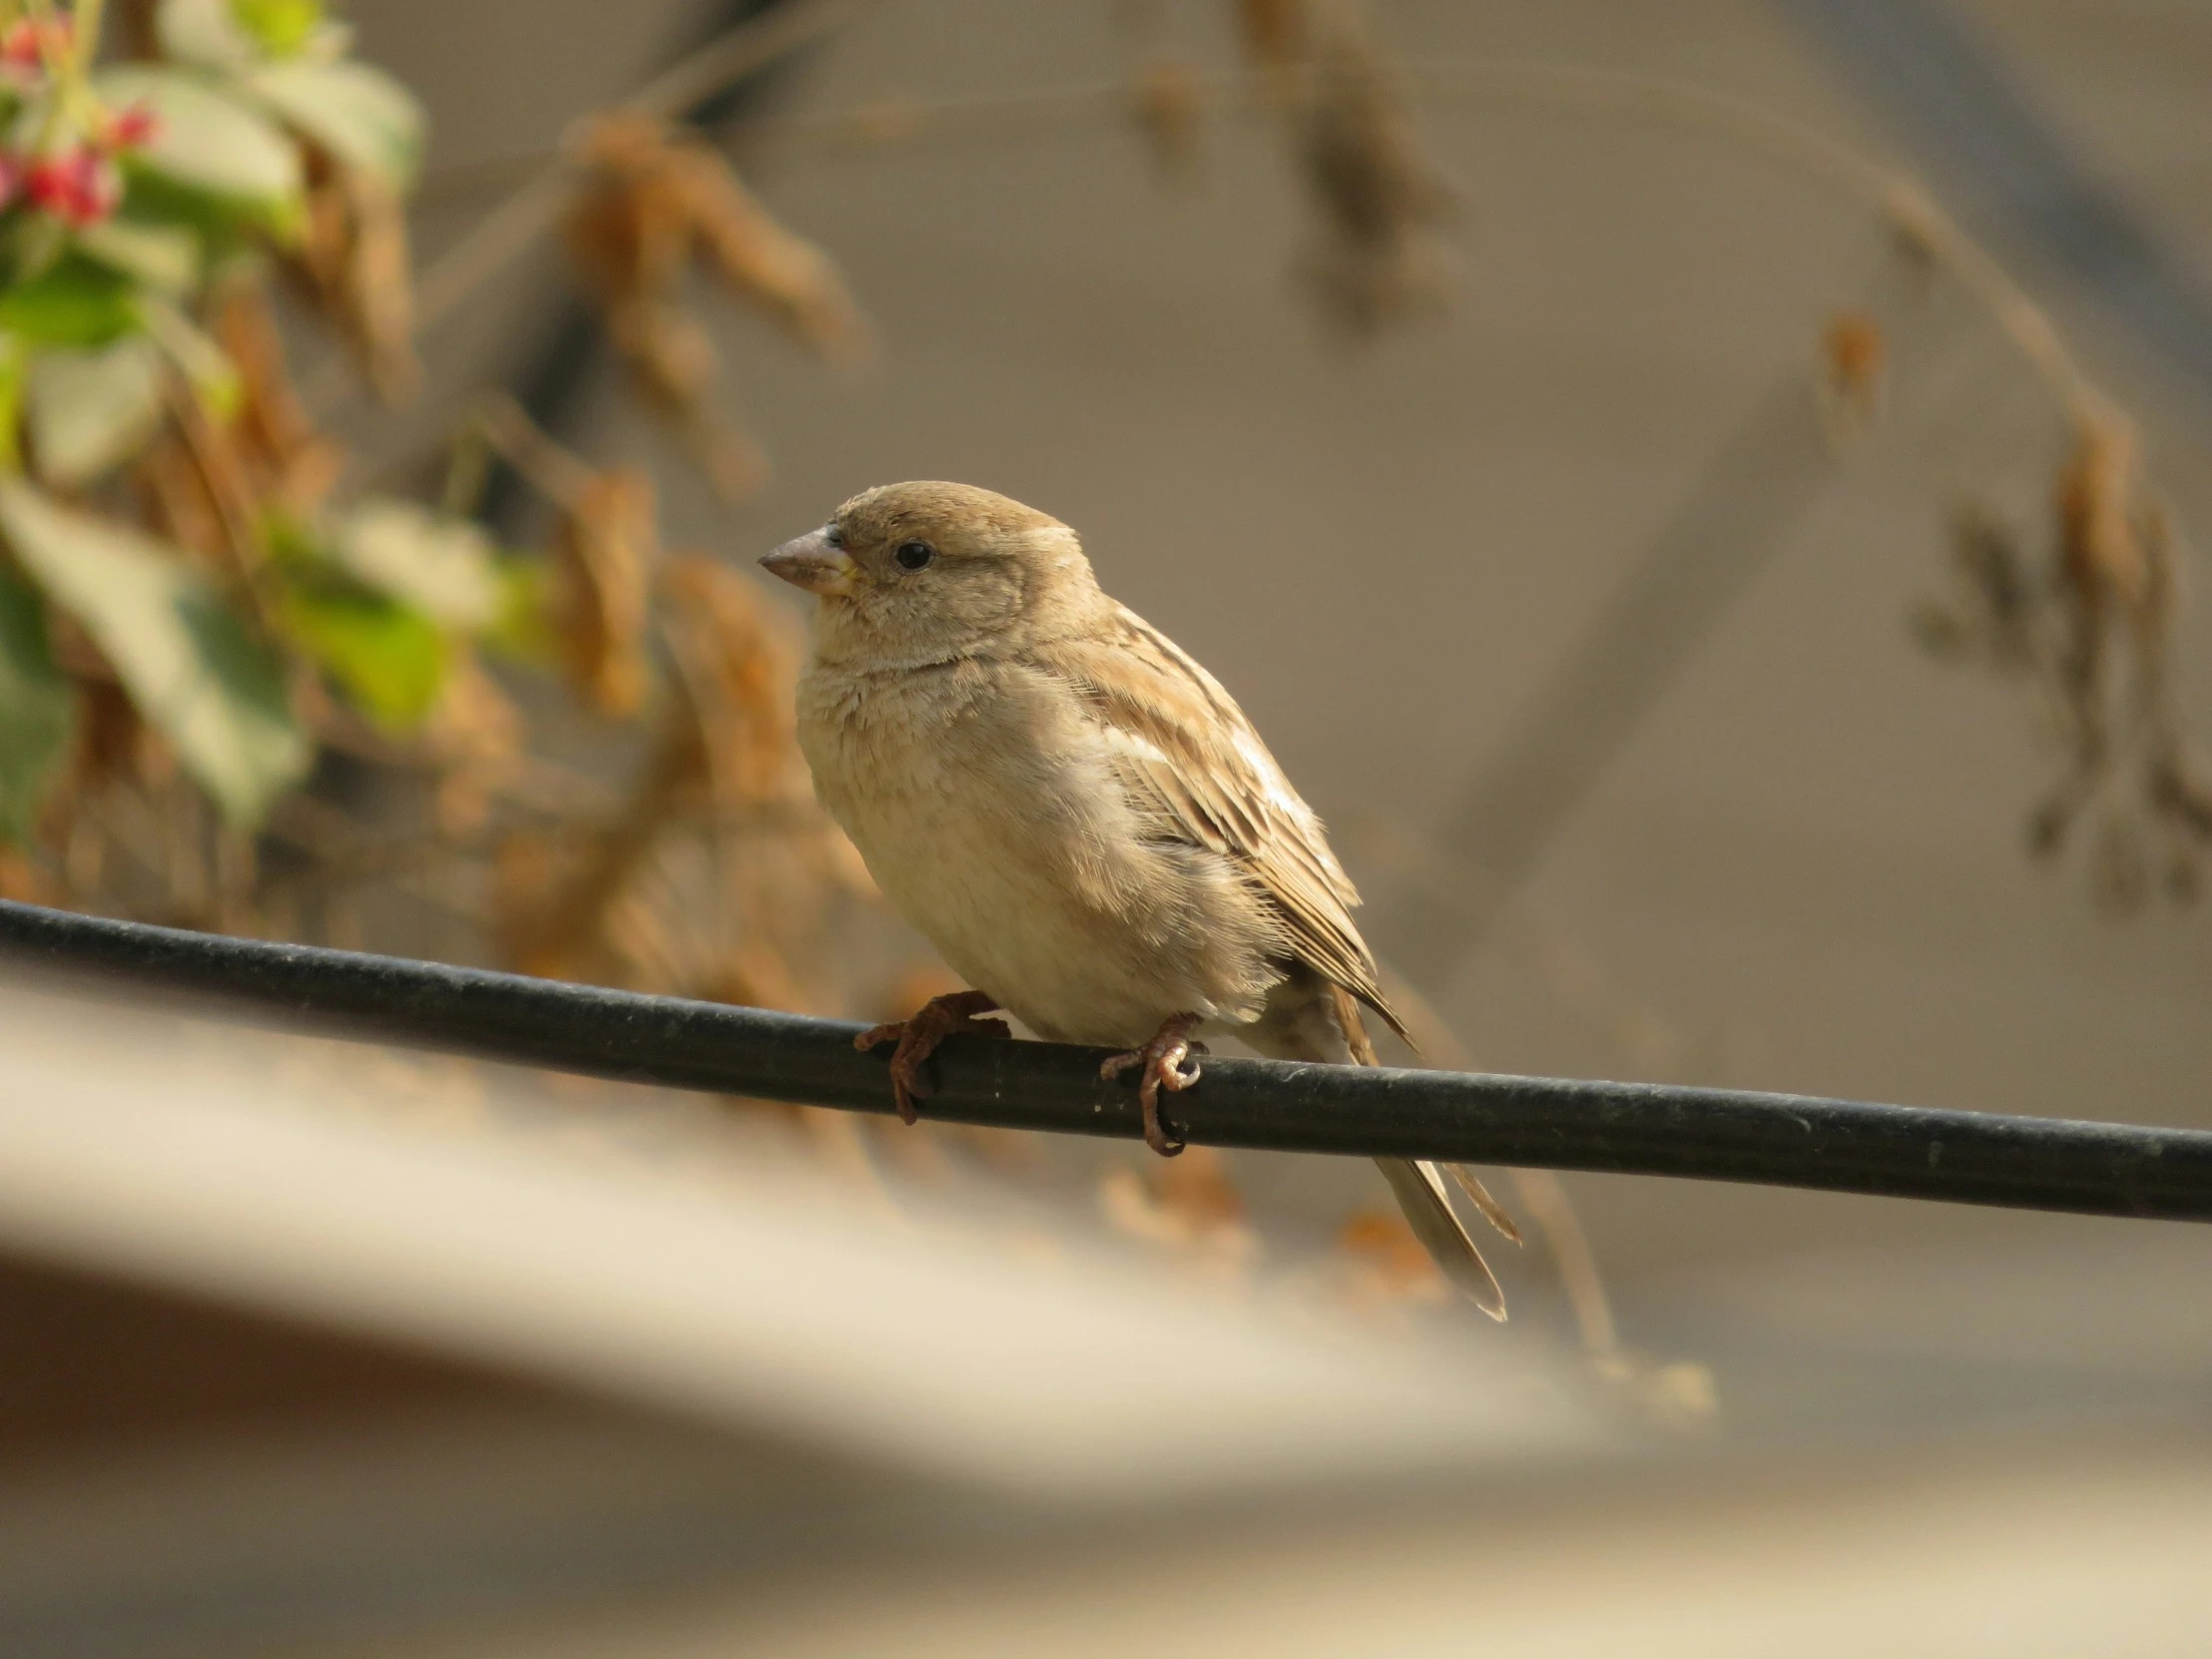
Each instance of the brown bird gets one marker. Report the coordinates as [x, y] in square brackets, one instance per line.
[1076, 814]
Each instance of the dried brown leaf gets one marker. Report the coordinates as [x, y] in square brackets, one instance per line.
[631, 236]
[175, 497]
[1997, 611]
[1274, 31]
[111, 738]
[1480, 1195]
[1383, 200]
[21, 881]
[528, 867]
[212, 448]
[656, 204]
[741, 659]
[558, 902]
[677, 367]
[353, 260]
[2089, 630]
[739, 653]
[2100, 553]
[1168, 111]
[291, 464]
[478, 739]
[786, 275]
[608, 550]
[1854, 373]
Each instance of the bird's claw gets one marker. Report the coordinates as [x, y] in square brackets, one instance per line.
[1169, 1063]
[917, 1038]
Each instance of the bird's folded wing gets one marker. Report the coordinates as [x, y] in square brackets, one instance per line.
[1187, 749]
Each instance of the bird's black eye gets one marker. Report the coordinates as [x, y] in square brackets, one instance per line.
[913, 555]
[832, 535]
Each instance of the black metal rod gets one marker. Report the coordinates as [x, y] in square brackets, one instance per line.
[1629, 1128]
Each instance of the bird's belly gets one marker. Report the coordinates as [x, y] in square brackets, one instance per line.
[1036, 886]
[1009, 912]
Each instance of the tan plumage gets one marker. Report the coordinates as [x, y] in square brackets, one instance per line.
[1076, 813]
[1187, 749]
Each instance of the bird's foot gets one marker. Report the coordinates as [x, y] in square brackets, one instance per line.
[1169, 1063]
[919, 1036]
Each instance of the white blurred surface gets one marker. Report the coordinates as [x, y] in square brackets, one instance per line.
[307, 1178]
[2010, 1555]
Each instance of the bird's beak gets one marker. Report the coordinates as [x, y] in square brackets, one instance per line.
[809, 562]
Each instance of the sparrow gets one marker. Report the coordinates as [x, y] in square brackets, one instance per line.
[1076, 816]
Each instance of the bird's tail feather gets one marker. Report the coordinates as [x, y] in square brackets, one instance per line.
[1419, 1187]
[1492, 1210]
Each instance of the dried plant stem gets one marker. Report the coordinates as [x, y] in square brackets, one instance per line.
[1544, 1197]
[576, 913]
[553, 470]
[1894, 194]
[497, 239]
[231, 497]
[891, 121]
[1901, 200]
[737, 53]
[505, 232]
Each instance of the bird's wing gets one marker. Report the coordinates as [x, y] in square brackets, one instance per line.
[1185, 748]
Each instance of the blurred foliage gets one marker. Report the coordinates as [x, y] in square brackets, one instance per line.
[239, 690]
[2085, 625]
[155, 547]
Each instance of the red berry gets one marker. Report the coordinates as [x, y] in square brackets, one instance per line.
[76, 186]
[130, 128]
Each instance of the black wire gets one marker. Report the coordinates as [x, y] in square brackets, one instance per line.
[1628, 1128]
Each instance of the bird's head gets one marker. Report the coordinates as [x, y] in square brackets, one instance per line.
[917, 573]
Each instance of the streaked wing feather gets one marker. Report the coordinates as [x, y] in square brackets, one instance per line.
[1187, 747]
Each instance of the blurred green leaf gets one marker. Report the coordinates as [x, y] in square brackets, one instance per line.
[72, 302]
[360, 114]
[38, 709]
[15, 358]
[440, 565]
[292, 543]
[523, 630]
[165, 258]
[208, 140]
[192, 668]
[280, 27]
[87, 410]
[223, 227]
[387, 659]
[32, 245]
